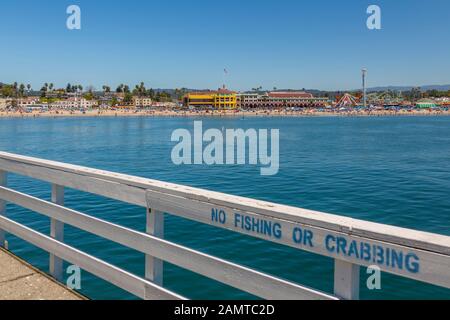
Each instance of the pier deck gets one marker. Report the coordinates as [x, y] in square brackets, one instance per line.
[19, 281]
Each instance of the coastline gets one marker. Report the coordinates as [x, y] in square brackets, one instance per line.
[265, 113]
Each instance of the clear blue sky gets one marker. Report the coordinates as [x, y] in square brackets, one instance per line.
[178, 43]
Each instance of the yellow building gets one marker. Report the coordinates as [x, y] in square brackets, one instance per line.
[220, 99]
[225, 99]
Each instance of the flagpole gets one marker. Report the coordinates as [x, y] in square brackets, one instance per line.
[225, 72]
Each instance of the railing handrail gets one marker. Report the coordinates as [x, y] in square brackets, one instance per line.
[351, 242]
[396, 235]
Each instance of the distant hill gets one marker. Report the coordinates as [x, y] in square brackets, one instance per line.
[445, 87]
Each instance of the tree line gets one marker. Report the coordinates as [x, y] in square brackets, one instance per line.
[16, 90]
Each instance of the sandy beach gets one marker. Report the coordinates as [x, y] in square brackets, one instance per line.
[260, 113]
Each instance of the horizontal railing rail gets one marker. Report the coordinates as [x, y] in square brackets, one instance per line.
[352, 243]
[121, 278]
[243, 278]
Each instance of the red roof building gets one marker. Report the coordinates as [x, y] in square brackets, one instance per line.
[290, 94]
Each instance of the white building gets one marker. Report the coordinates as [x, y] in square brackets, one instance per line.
[142, 102]
[244, 99]
[26, 102]
[73, 103]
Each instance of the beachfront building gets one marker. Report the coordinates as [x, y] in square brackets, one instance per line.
[444, 101]
[142, 102]
[28, 101]
[201, 100]
[225, 99]
[281, 99]
[73, 103]
[245, 100]
[36, 108]
[426, 103]
[165, 105]
[220, 99]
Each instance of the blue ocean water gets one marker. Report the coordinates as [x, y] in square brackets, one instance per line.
[392, 170]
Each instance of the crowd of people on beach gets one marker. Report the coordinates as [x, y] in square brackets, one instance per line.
[174, 112]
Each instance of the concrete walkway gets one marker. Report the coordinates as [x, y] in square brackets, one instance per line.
[20, 281]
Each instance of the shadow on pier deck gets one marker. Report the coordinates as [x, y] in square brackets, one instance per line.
[20, 281]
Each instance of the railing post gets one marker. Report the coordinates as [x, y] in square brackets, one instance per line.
[3, 182]
[57, 232]
[346, 280]
[155, 227]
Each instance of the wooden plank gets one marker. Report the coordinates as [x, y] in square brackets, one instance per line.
[120, 278]
[346, 280]
[57, 232]
[154, 267]
[240, 277]
[374, 231]
[3, 183]
[422, 265]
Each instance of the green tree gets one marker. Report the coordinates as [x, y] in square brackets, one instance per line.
[89, 96]
[44, 90]
[128, 98]
[22, 90]
[106, 89]
[120, 88]
[151, 93]
[114, 102]
[7, 91]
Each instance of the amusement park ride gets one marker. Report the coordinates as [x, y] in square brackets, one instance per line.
[387, 98]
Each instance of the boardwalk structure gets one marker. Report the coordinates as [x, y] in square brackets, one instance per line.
[351, 243]
[20, 281]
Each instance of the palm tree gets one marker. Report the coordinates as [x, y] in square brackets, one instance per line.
[120, 88]
[44, 90]
[22, 90]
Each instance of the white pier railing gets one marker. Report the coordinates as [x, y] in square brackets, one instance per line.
[352, 243]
